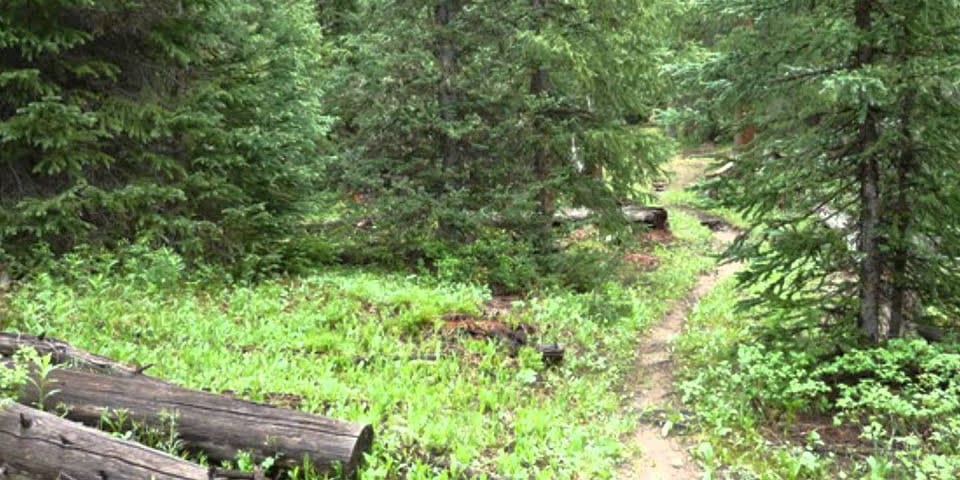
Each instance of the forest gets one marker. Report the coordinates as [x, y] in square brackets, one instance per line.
[476, 239]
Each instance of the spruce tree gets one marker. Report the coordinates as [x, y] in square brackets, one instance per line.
[849, 181]
[594, 82]
[467, 119]
[190, 123]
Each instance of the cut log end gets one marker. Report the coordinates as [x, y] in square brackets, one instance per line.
[362, 445]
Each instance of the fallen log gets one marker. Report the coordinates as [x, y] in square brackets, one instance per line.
[62, 353]
[35, 445]
[655, 217]
[722, 170]
[932, 333]
[219, 426]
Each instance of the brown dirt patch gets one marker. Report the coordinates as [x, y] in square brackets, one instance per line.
[642, 260]
[657, 236]
[581, 234]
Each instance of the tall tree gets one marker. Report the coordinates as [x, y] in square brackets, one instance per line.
[192, 123]
[448, 101]
[542, 156]
[834, 89]
[483, 114]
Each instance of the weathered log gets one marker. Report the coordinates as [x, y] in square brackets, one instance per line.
[722, 170]
[62, 353]
[215, 424]
[655, 217]
[932, 333]
[566, 215]
[219, 426]
[38, 445]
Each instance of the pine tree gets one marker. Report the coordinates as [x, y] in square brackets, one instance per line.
[856, 119]
[464, 119]
[192, 123]
[594, 76]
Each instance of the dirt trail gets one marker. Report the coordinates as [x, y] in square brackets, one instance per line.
[651, 383]
[662, 458]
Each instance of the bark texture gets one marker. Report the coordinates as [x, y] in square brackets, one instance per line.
[41, 446]
[871, 268]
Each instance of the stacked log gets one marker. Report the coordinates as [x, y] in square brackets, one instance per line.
[219, 426]
[36, 445]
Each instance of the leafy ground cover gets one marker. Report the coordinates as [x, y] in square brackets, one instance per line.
[371, 347]
[793, 396]
[781, 403]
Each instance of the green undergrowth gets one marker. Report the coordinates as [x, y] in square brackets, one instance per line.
[787, 403]
[346, 343]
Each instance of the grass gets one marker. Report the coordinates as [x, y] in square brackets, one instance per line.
[341, 343]
[732, 427]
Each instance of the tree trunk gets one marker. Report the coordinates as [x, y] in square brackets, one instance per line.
[41, 446]
[901, 312]
[448, 99]
[542, 162]
[871, 270]
[217, 425]
[746, 134]
[540, 85]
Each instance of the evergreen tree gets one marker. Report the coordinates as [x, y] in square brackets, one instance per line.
[594, 78]
[193, 123]
[462, 119]
[857, 115]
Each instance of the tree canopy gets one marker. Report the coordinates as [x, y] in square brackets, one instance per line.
[848, 183]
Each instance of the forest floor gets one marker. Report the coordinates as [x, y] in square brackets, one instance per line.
[378, 347]
[658, 454]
